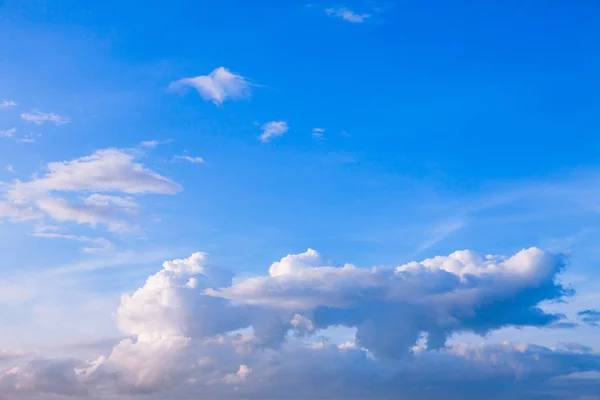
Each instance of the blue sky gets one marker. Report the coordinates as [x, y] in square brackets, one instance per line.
[407, 130]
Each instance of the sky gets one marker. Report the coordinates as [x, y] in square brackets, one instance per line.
[292, 200]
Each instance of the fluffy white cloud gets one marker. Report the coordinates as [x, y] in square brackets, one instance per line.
[108, 170]
[347, 15]
[218, 86]
[7, 104]
[273, 129]
[38, 118]
[106, 174]
[182, 325]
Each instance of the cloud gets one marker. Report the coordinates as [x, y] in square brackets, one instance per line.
[8, 133]
[218, 86]
[193, 160]
[317, 133]
[191, 330]
[14, 354]
[7, 104]
[590, 317]
[18, 213]
[273, 129]
[101, 244]
[108, 170]
[38, 118]
[10, 168]
[347, 15]
[150, 144]
[103, 175]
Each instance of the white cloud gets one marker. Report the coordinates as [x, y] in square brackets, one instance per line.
[318, 133]
[103, 200]
[7, 104]
[38, 118]
[104, 174]
[218, 86]
[184, 341]
[347, 14]
[108, 170]
[193, 160]
[273, 129]
[18, 213]
[10, 168]
[101, 244]
[8, 133]
[150, 144]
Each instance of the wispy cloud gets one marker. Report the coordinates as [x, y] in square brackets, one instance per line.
[7, 104]
[8, 133]
[193, 160]
[52, 232]
[440, 233]
[318, 133]
[218, 86]
[38, 118]
[150, 144]
[273, 129]
[347, 14]
[10, 168]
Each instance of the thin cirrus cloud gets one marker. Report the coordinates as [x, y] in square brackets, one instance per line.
[50, 232]
[38, 118]
[273, 129]
[190, 159]
[218, 86]
[347, 14]
[191, 343]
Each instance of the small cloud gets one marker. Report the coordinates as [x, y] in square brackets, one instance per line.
[218, 86]
[7, 104]
[347, 15]
[10, 168]
[50, 232]
[317, 133]
[150, 144]
[273, 129]
[38, 118]
[193, 160]
[590, 317]
[8, 133]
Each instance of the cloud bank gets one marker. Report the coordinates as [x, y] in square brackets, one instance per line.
[193, 332]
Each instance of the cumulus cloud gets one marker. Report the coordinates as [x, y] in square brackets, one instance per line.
[191, 330]
[347, 14]
[273, 129]
[218, 86]
[7, 104]
[106, 174]
[38, 118]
